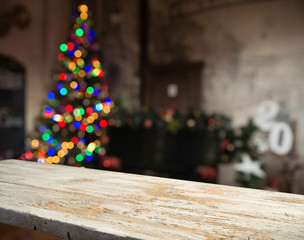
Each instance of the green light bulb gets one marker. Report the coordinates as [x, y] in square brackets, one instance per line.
[90, 129]
[79, 32]
[90, 90]
[63, 47]
[79, 158]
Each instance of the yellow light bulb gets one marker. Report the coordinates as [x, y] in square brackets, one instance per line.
[96, 71]
[69, 118]
[83, 8]
[78, 118]
[70, 145]
[91, 146]
[82, 73]
[96, 64]
[60, 153]
[83, 15]
[85, 121]
[64, 145]
[80, 62]
[106, 109]
[50, 160]
[65, 151]
[35, 143]
[90, 119]
[78, 53]
[94, 115]
[73, 84]
[72, 66]
[56, 159]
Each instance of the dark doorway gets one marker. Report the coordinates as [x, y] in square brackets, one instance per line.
[12, 89]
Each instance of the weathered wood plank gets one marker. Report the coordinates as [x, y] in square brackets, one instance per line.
[75, 203]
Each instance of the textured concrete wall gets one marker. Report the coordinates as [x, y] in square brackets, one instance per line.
[117, 26]
[253, 52]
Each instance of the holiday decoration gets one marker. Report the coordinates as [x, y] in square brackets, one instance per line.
[72, 125]
[239, 145]
[168, 118]
[280, 138]
[185, 145]
[248, 167]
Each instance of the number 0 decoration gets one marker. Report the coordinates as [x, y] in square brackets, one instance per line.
[280, 138]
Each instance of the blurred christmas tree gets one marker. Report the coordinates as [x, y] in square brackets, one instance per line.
[250, 169]
[72, 125]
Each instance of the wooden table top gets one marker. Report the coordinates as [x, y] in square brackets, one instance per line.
[77, 203]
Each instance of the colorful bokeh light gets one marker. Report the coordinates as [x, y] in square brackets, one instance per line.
[73, 123]
[63, 91]
[51, 95]
[63, 47]
[79, 32]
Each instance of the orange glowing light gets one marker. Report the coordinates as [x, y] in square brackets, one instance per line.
[82, 73]
[56, 159]
[83, 15]
[35, 143]
[78, 53]
[70, 145]
[50, 160]
[41, 154]
[83, 8]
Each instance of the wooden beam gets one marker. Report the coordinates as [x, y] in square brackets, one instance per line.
[76, 203]
[143, 30]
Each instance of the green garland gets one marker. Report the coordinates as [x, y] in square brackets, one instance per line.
[233, 142]
[240, 141]
[169, 118]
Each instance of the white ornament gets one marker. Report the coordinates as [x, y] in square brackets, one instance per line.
[280, 138]
[247, 166]
[261, 145]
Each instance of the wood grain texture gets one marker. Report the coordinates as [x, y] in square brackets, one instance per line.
[76, 203]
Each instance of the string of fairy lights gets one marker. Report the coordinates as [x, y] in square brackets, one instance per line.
[73, 118]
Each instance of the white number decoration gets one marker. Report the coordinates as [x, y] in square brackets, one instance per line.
[267, 112]
[280, 138]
